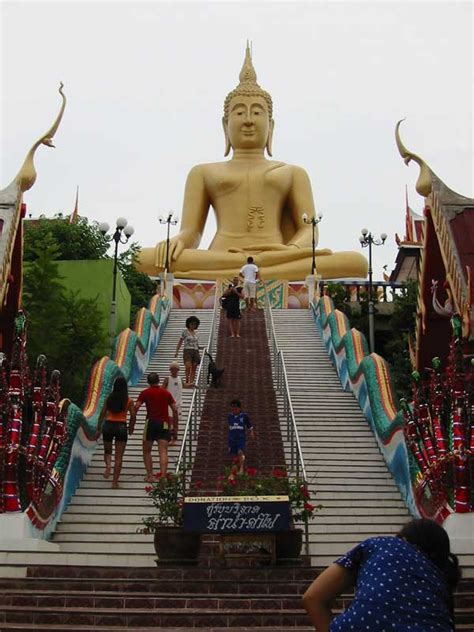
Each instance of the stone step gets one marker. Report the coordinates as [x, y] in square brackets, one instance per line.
[162, 617]
[25, 558]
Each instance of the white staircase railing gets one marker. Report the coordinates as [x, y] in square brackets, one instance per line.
[185, 458]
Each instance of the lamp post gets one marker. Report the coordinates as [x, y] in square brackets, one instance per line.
[169, 219]
[123, 232]
[367, 240]
[314, 221]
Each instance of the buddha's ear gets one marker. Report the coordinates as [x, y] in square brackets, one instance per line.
[270, 138]
[227, 139]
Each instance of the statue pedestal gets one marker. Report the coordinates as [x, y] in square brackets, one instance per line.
[18, 534]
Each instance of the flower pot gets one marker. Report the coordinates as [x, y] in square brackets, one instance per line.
[288, 544]
[173, 545]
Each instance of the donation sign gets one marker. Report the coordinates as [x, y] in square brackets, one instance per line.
[231, 514]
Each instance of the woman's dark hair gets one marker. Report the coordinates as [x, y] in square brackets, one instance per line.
[433, 541]
[118, 398]
[192, 319]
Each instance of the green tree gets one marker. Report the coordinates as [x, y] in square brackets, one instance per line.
[61, 325]
[402, 326]
[42, 299]
[79, 240]
[83, 240]
[140, 286]
[82, 343]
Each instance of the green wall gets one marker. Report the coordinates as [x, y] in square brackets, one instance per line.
[94, 279]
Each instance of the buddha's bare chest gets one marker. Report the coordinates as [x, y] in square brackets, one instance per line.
[258, 185]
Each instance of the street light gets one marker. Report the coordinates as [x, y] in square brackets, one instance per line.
[169, 219]
[123, 232]
[314, 221]
[367, 240]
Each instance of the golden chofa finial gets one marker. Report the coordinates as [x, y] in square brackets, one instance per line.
[424, 182]
[248, 86]
[26, 177]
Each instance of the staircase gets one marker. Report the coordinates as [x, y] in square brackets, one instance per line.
[346, 470]
[99, 527]
[247, 377]
[105, 578]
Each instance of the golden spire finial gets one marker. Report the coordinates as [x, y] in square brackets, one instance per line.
[26, 177]
[247, 74]
[424, 182]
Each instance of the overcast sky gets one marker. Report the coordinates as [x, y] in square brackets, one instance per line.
[146, 82]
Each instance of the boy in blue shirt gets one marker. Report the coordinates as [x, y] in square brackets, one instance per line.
[238, 422]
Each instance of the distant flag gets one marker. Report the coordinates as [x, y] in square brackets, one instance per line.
[74, 215]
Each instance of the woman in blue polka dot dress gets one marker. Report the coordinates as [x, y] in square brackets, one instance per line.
[402, 584]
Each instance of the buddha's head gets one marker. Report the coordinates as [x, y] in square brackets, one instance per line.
[248, 110]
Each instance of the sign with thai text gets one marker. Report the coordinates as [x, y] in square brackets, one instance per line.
[229, 514]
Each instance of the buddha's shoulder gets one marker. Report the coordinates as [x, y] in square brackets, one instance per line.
[208, 168]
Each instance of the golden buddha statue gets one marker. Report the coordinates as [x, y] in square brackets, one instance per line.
[259, 204]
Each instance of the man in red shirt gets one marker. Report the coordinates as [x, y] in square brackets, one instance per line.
[157, 425]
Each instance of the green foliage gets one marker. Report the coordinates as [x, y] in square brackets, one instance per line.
[140, 286]
[402, 326]
[83, 342]
[42, 299]
[358, 314]
[61, 325]
[167, 495]
[80, 240]
[83, 240]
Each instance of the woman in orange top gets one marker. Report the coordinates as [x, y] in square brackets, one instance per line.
[116, 407]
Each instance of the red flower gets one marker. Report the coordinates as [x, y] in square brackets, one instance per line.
[235, 459]
[158, 475]
[279, 473]
[252, 471]
[309, 507]
[232, 482]
[198, 484]
[148, 489]
[304, 491]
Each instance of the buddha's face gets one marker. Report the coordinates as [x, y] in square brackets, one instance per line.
[248, 125]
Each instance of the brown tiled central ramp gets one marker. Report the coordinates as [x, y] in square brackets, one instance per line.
[248, 377]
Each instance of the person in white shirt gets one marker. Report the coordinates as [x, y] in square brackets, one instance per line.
[249, 273]
[174, 384]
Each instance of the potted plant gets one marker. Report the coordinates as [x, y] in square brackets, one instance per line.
[278, 482]
[172, 543]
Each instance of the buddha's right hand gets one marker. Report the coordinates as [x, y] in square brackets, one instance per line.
[176, 247]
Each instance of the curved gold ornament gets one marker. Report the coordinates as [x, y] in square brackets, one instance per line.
[26, 177]
[424, 182]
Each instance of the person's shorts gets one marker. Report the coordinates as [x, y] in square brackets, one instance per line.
[191, 355]
[234, 314]
[156, 431]
[114, 430]
[236, 445]
[250, 289]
